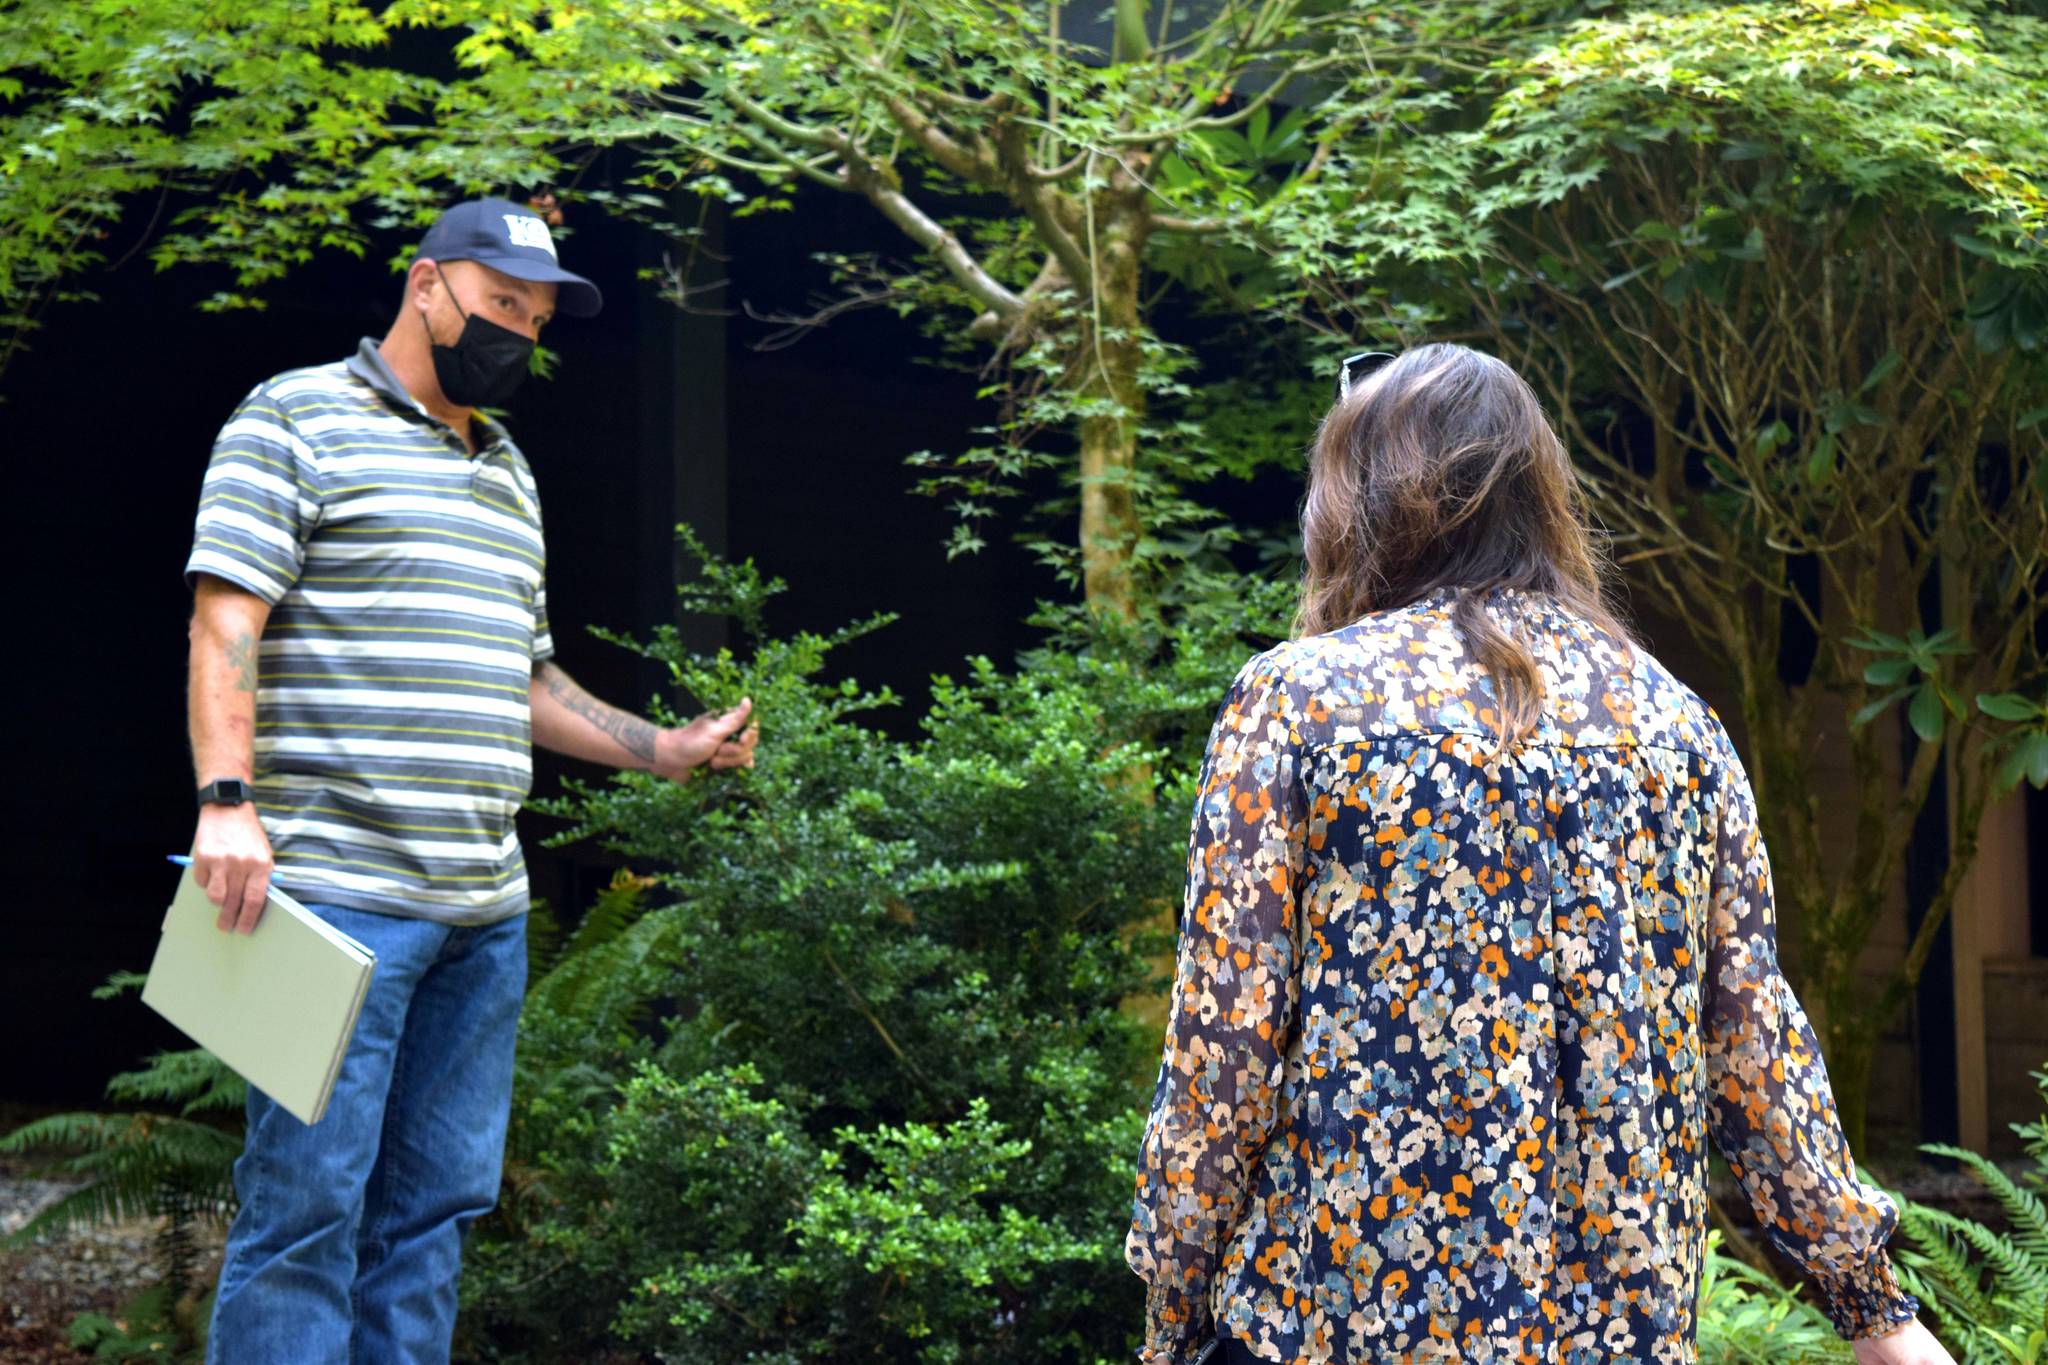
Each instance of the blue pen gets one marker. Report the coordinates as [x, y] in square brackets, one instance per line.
[180, 859]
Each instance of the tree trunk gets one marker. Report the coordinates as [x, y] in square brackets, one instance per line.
[1106, 374]
[1106, 368]
[1851, 1049]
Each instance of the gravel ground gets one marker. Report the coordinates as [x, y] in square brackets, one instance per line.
[43, 1287]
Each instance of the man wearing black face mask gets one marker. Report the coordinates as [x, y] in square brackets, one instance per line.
[371, 660]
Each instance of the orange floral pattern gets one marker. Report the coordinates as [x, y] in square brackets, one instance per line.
[1452, 1028]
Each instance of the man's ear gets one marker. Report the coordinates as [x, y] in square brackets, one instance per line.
[420, 279]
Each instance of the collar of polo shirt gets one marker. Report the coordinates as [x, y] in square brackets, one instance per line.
[368, 365]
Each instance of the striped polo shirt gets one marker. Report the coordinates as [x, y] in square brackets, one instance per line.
[405, 581]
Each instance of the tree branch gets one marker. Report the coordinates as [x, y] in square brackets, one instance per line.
[973, 164]
[1046, 175]
[1133, 43]
[882, 191]
[1040, 204]
[878, 183]
[1166, 222]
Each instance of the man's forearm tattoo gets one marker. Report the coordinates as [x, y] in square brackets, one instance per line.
[241, 657]
[633, 734]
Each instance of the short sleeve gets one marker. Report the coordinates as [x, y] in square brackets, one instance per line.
[1771, 1109]
[543, 633]
[259, 501]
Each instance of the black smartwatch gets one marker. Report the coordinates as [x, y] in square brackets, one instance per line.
[224, 791]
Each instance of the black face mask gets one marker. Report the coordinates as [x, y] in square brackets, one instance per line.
[484, 365]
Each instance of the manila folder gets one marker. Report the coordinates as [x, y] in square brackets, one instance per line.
[277, 1005]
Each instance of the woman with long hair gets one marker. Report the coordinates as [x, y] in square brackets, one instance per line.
[1477, 953]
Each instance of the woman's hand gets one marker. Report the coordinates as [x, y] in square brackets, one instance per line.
[1911, 1344]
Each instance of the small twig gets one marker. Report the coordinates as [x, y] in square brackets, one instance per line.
[867, 1012]
[148, 231]
[793, 327]
[677, 289]
[729, 1306]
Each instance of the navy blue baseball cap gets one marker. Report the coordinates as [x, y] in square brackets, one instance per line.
[514, 239]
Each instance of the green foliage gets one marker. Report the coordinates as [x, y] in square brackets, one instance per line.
[1746, 1318]
[137, 1332]
[2026, 746]
[887, 1235]
[1987, 1290]
[1046, 176]
[1983, 1289]
[845, 1074]
[102, 103]
[270, 127]
[1882, 107]
[153, 1325]
[1911, 668]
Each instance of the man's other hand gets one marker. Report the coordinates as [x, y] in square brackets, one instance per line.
[231, 859]
[722, 739]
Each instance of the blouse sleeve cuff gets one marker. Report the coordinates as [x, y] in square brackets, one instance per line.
[1865, 1300]
[1174, 1324]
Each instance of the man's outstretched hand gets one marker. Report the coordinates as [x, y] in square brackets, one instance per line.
[721, 739]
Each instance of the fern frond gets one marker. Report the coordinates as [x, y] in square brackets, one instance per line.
[543, 939]
[617, 907]
[2024, 1209]
[2013, 1274]
[1940, 1263]
[133, 1166]
[604, 984]
[194, 1079]
[2035, 1134]
[119, 984]
[61, 1131]
[88, 1206]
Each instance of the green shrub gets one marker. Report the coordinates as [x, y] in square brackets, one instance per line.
[848, 1076]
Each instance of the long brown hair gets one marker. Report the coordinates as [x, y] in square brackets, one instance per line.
[1440, 471]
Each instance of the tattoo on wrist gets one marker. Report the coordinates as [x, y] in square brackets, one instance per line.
[241, 657]
[631, 733]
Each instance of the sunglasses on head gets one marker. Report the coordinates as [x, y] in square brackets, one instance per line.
[1355, 368]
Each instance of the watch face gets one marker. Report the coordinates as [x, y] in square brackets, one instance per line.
[224, 791]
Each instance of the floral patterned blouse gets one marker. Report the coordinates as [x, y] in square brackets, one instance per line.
[1451, 1029]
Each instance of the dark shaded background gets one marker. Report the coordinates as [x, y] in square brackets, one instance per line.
[792, 457]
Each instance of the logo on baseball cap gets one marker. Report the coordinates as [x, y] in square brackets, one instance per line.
[511, 238]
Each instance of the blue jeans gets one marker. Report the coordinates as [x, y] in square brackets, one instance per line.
[348, 1245]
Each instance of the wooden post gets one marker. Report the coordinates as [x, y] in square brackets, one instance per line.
[1989, 922]
[683, 432]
